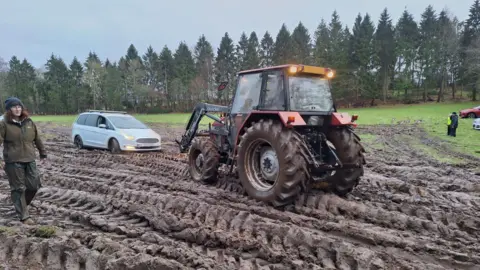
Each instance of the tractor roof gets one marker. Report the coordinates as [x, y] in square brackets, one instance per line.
[300, 68]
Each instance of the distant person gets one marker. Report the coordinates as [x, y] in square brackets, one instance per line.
[454, 124]
[19, 134]
[449, 125]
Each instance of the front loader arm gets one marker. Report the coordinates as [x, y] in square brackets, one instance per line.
[199, 111]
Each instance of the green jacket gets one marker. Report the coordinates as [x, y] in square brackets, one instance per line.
[19, 140]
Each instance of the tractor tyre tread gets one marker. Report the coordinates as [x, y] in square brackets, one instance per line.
[349, 150]
[293, 170]
[211, 160]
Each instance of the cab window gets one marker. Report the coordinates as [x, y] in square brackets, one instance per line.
[247, 94]
[274, 91]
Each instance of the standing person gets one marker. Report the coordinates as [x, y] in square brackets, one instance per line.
[454, 124]
[19, 134]
[449, 125]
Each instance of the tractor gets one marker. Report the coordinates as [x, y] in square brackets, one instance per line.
[282, 133]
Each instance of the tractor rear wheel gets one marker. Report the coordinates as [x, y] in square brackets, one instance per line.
[270, 165]
[349, 150]
[203, 160]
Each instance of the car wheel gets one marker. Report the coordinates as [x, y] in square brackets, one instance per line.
[78, 142]
[114, 146]
[472, 115]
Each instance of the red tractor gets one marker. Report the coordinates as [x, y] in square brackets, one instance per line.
[283, 134]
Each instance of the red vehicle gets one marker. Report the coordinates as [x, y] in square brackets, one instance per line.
[283, 134]
[470, 113]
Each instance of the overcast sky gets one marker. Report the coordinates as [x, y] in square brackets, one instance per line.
[35, 29]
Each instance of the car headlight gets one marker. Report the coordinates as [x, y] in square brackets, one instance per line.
[128, 137]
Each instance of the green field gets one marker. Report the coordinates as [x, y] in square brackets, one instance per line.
[433, 117]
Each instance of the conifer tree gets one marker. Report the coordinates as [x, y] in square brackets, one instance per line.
[282, 51]
[266, 50]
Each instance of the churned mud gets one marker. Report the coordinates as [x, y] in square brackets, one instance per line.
[142, 211]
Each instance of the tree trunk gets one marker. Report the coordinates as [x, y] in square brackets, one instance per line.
[474, 92]
[453, 89]
[385, 84]
[424, 92]
[442, 87]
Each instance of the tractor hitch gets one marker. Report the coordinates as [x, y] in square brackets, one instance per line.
[329, 167]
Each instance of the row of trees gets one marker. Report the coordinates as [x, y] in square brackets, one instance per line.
[407, 62]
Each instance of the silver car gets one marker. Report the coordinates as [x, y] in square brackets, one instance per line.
[115, 131]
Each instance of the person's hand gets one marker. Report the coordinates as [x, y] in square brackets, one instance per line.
[42, 159]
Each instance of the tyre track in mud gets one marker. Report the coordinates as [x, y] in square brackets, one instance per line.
[182, 171]
[136, 197]
[333, 201]
[425, 219]
[429, 180]
[75, 185]
[194, 221]
[340, 205]
[379, 226]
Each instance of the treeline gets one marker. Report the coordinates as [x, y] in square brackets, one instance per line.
[435, 58]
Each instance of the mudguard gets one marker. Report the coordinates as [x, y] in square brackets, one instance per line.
[342, 119]
[297, 119]
[284, 117]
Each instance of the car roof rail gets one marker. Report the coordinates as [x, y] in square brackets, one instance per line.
[104, 111]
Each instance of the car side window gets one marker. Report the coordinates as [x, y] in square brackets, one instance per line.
[101, 120]
[81, 119]
[91, 120]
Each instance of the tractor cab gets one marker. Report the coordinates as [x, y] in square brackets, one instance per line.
[284, 88]
[287, 88]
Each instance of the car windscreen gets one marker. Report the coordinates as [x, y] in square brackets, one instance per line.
[126, 122]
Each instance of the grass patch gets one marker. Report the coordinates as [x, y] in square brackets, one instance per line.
[432, 152]
[45, 231]
[7, 230]
[371, 140]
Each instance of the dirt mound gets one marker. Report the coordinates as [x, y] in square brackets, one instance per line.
[142, 211]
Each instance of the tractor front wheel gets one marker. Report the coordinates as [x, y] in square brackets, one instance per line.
[270, 165]
[203, 161]
[349, 150]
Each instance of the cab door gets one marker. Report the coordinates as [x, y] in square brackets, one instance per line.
[247, 96]
[273, 95]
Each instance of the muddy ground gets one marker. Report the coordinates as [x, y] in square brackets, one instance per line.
[142, 211]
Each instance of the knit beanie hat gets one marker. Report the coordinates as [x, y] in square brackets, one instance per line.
[12, 101]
